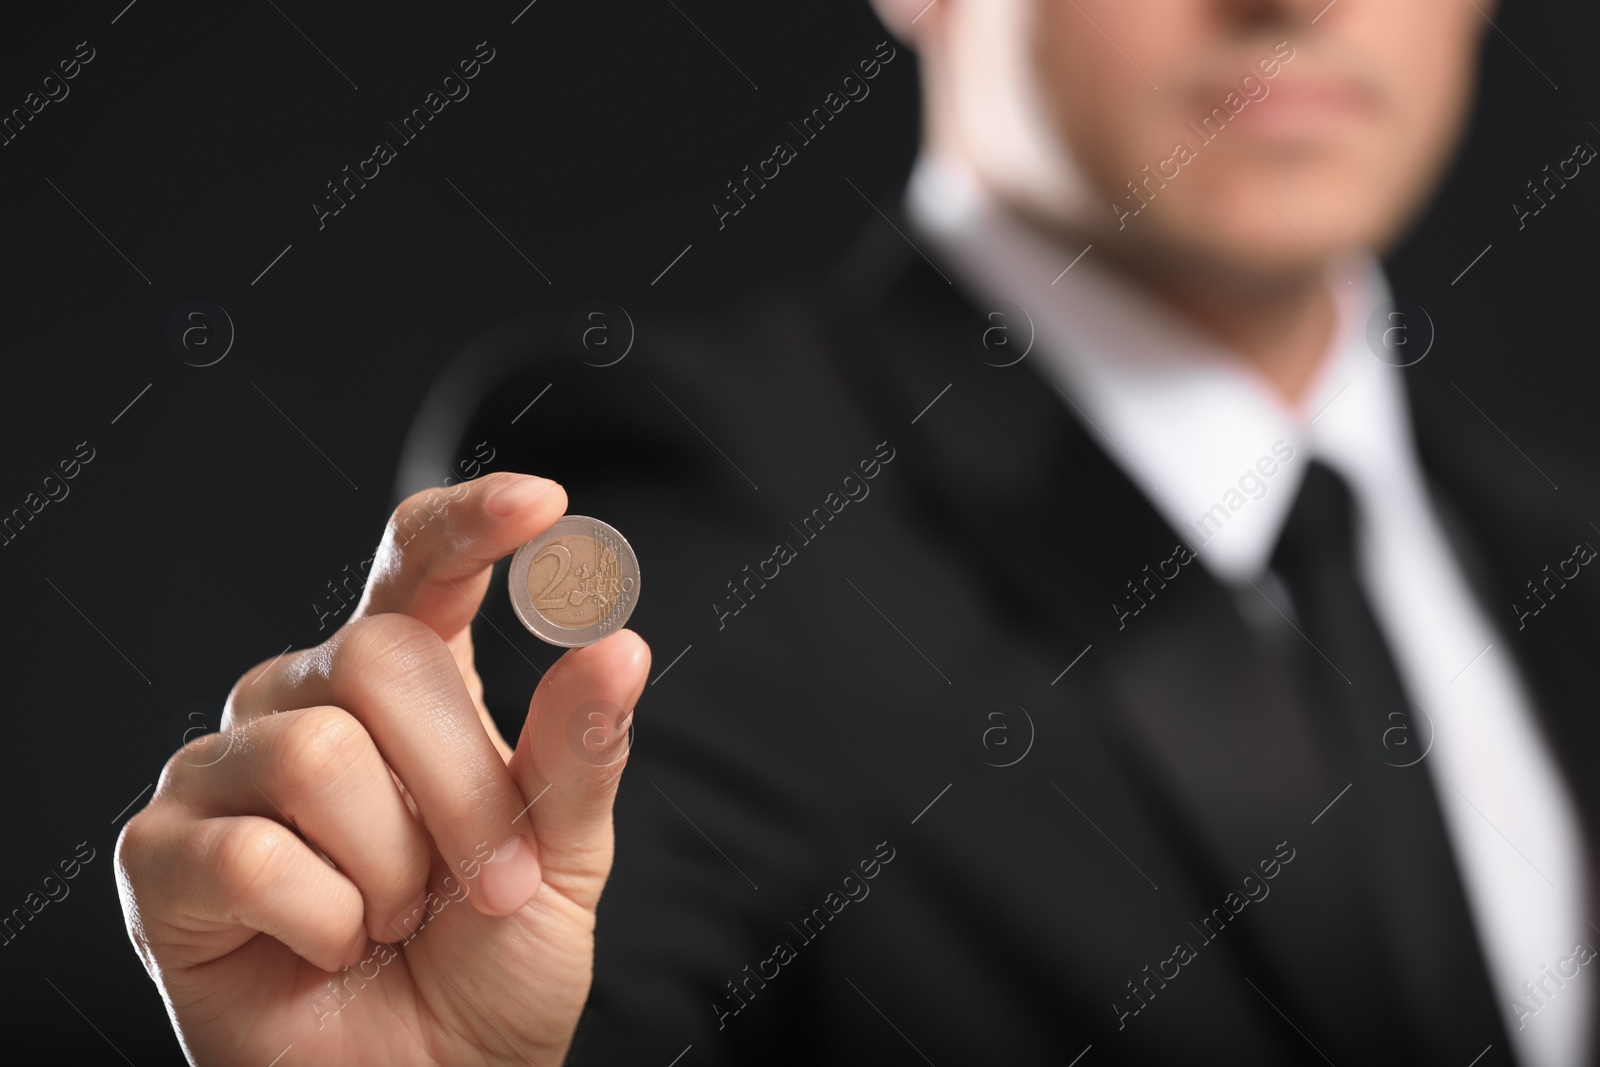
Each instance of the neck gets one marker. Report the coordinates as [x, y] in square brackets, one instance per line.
[1280, 322]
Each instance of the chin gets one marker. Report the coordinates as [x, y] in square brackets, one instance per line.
[1282, 227]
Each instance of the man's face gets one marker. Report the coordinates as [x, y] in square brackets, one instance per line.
[1270, 140]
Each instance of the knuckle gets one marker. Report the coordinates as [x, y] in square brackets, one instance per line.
[170, 779]
[317, 746]
[248, 680]
[270, 680]
[130, 860]
[383, 646]
[203, 751]
[133, 845]
[254, 672]
[247, 856]
[178, 773]
[415, 514]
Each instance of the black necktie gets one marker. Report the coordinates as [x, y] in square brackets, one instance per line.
[1402, 890]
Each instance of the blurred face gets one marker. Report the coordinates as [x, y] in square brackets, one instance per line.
[1227, 133]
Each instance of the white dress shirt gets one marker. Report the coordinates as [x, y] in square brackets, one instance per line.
[1186, 420]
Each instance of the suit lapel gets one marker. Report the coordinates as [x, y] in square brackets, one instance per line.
[1203, 715]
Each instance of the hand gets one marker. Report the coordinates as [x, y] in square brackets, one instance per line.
[358, 866]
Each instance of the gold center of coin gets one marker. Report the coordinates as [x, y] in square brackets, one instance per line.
[575, 581]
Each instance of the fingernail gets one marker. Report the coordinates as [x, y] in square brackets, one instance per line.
[517, 493]
[510, 877]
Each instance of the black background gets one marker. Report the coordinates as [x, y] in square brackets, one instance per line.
[196, 541]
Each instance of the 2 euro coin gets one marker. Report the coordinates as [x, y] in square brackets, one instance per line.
[575, 583]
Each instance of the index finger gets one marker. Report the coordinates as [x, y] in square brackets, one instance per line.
[434, 561]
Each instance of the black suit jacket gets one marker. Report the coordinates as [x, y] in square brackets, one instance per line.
[905, 787]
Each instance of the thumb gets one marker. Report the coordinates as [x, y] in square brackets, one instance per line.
[570, 756]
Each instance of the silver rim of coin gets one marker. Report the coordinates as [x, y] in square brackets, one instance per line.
[611, 590]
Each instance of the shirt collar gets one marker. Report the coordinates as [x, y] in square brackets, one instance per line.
[1193, 426]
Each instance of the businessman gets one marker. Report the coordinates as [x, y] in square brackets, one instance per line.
[1081, 635]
